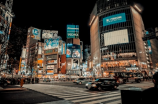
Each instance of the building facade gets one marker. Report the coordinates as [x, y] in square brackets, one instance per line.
[6, 16]
[116, 36]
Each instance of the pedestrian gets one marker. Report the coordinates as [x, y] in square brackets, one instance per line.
[149, 96]
[21, 82]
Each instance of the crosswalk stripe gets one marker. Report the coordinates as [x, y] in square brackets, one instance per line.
[86, 98]
[115, 102]
[98, 101]
[94, 98]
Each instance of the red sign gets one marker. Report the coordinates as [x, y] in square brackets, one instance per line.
[63, 64]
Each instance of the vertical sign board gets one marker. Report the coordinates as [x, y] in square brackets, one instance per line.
[72, 31]
[149, 44]
[63, 49]
[63, 64]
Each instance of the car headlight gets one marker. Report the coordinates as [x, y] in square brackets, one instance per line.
[93, 85]
[87, 84]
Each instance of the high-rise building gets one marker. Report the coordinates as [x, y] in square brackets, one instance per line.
[6, 16]
[116, 36]
[74, 51]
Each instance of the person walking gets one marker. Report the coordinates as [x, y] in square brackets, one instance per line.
[149, 96]
[21, 82]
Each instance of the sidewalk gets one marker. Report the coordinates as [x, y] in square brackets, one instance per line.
[24, 96]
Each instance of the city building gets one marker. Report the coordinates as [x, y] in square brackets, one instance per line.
[74, 52]
[116, 37]
[33, 36]
[6, 16]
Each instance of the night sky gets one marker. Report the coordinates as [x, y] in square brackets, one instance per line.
[59, 13]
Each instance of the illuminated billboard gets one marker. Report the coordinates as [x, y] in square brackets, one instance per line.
[50, 66]
[52, 62]
[50, 72]
[46, 34]
[51, 43]
[149, 44]
[35, 33]
[116, 37]
[63, 64]
[117, 18]
[63, 49]
[72, 31]
[39, 50]
[73, 51]
[24, 53]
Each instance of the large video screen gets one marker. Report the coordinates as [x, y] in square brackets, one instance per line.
[116, 37]
[117, 18]
[51, 43]
[73, 51]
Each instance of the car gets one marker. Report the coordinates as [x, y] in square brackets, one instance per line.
[82, 80]
[75, 80]
[125, 77]
[102, 83]
[46, 80]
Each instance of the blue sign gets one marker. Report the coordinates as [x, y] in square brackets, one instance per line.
[117, 18]
[63, 49]
[1, 32]
[72, 31]
[35, 32]
[149, 46]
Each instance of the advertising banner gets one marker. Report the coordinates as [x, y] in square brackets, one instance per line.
[117, 18]
[35, 33]
[46, 34]
[51, 57]
[63, 64]
[116, 37]
[24, 53]
[50, 67]
[52, 62]
[39, 50]
[50, 71]
[149, 44]
[72, 31]
[40, 62]
[73, 51]
[23, 64]
[63, 49]
[51, 43]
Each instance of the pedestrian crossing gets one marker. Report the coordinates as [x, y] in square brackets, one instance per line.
[78, 95]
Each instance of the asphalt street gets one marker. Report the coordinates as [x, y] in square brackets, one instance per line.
[65, 93]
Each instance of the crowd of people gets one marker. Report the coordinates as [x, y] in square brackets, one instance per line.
[17, 81]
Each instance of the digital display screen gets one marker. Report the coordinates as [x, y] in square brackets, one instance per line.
[116, 37]
[117, 18]
[73, 51]
[76, 53]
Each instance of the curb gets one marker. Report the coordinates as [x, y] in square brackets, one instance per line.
[14, 89]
